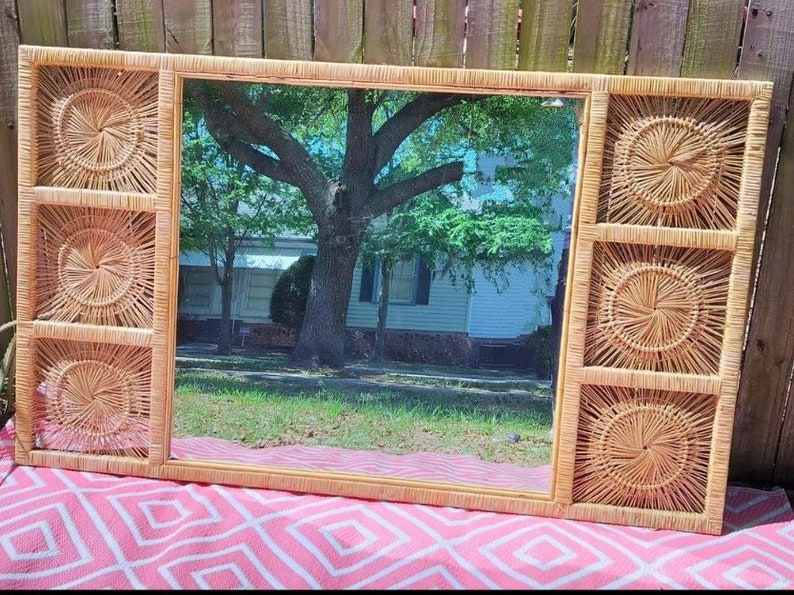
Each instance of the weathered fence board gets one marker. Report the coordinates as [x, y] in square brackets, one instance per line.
[338, 30]
[784, 457]
[602, 32]
[440, 30]
[658, 30]
[140, 25]
[491, 34]
[188, 26]
[9, 41]
[713, 28]
[43, 22]
[237, 28]
[768, 52]
[288, 29]
[90, 24]
[388, 31]
[545, 35]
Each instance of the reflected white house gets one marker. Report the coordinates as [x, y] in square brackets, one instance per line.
[430, 316]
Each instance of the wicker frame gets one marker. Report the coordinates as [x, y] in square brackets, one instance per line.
[660, 266]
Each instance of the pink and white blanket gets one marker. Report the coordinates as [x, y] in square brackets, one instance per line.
[66, 529]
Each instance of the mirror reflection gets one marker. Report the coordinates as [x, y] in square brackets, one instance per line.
[372, 281]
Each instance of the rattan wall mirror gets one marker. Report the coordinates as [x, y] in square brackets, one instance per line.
[662, 223]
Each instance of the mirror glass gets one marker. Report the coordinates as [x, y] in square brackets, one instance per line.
[373, 281]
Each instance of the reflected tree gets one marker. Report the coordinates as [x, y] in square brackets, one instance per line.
[356, 155]
[223, 203]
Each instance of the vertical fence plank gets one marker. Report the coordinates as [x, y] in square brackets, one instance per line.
[545, 35]
[602, 32]
[9, 41]
[43, 22]
[491, 36]
[188, 26]
[658, 29]
[140, 24]
[712, 38]
[338, 30]
[90, 24]
[388, 31]
[784, 182]
[440, 29]
[237, 28]
[288, 29]
[768, 53]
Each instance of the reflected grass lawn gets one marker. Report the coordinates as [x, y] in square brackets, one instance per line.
[396, 419]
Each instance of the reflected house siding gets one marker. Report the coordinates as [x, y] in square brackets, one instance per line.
[447, 309]
[451, 328]
[257, 267]
[485, 327]
[518, 310]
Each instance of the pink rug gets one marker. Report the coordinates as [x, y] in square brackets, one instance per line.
[65, 529]
[424, 465]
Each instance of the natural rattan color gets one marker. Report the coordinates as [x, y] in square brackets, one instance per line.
[95, 266]
[657, 308]
[97, 129]
[92, 397]
[661, 250]
[643, 448]
[673, 162]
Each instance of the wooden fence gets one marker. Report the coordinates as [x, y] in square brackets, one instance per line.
[689, 38]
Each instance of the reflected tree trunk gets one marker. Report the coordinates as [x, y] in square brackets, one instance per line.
[225, 330]
[322, 336]
[383, 309]
[226, 281]
[341, 206]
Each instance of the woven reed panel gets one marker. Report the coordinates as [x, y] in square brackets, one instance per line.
[97, 129]
[673, 162]
[644, 448]
[92, 397]
[94, 129]
[657, 308]
[658, 302]
[95, 266]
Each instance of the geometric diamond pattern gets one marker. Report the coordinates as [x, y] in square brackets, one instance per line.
[77, 530]
[30, 542]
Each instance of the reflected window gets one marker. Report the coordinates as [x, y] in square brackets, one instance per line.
[197, 288]
[410, 282]
[403, 281]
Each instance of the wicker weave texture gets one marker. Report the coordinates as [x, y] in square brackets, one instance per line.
[92, 397]
[643, 448]
[95, 266]
[673, 162]
[657, 308]
[97, 129]
[661, 245]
